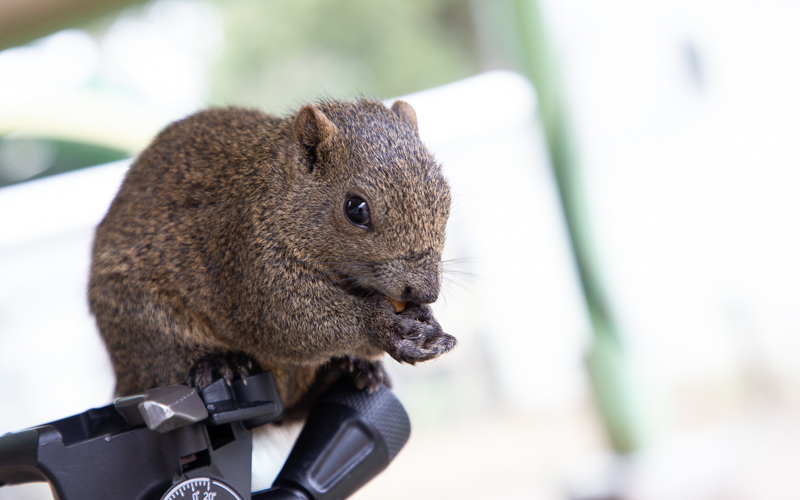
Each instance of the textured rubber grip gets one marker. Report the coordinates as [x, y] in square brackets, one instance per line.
[380, 408]
[350, 436]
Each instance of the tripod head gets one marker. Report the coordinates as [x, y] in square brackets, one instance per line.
[175, 443]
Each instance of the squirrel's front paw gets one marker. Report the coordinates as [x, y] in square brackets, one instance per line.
[227, 365]
[418, 336]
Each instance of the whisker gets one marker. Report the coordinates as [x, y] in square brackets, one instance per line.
[335, 274]
[462, 286]
[350, 279]
[328, 261]
[466, 274]
[369, 293]
[459, 260]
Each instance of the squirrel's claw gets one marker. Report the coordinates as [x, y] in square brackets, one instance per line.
[211, 367]
[366, 374]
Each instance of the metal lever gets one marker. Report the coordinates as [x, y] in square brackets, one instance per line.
[163, 409]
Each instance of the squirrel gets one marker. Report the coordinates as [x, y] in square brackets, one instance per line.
[308, 245]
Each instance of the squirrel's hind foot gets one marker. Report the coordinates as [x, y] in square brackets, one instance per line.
[227, 365]
[365, 374]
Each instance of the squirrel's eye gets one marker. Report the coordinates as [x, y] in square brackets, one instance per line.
[356, 211]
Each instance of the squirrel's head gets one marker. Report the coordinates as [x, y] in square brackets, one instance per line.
[371, 200]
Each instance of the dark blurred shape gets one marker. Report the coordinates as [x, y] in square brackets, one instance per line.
[694, 63]
[25, 20]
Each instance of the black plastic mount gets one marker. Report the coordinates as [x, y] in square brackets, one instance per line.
[102, 454]
[139, 447]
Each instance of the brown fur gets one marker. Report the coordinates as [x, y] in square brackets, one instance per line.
[228, 236]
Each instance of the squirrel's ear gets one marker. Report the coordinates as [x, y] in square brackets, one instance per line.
[407, 113]
[311, 126]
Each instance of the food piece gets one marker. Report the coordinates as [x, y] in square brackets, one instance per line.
[398, 306]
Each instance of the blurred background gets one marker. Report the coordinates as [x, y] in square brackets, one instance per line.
[622, 267]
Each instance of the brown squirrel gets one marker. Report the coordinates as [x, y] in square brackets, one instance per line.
[241, 242]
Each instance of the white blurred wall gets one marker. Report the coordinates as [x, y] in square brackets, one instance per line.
[687, 118]
[687, 115]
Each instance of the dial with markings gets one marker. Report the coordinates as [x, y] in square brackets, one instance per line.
[201, 488]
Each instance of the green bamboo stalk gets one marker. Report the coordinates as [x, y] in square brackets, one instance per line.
[607, 361]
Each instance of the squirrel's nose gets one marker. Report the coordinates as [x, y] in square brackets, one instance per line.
[425, 291]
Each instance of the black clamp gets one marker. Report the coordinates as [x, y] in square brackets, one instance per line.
[174, 442]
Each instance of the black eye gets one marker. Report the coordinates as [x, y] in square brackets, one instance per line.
[357, 211]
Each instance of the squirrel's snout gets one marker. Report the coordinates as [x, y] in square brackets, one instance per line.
[420, 283]
[425, 292]
[402, 281]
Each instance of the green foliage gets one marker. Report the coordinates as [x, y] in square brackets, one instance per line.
[280, 53]
[28, 158]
